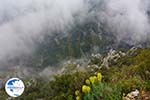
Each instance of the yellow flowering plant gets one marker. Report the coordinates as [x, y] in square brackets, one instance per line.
[99, 76]
[93, 79]
[86, 89]
[77, 92]
[87, 81]
[78, 98]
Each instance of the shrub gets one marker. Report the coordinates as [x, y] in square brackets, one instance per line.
[147, 85]
[130, 84]
[104, 91]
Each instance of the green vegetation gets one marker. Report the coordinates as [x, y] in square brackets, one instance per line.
[127, 74]
[79, 43]
[104, 91]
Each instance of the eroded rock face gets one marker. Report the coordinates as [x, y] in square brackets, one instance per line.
[112, 56]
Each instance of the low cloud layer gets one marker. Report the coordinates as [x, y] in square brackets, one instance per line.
[24, 22]
[129, 19]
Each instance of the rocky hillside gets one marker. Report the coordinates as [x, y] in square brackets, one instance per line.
[114, 76]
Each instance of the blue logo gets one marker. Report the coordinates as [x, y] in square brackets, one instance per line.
[14, 87]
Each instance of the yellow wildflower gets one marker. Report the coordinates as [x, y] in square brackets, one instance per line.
[77, 92]
[95, 78]
[92, 79]
[86, 89]
[78, 98]
[99, 76]
[87, 81]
